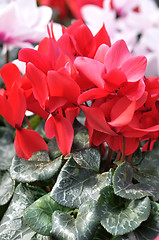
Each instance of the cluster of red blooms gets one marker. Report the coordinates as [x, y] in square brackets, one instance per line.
[81, 72]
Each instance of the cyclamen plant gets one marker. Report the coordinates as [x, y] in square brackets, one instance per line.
[73, 181]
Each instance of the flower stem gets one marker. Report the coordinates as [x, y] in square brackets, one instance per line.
[123, 152]
[109, 159]
[7, 56]
[27, 122]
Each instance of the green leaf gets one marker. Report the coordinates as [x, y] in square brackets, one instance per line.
[6, 187]
[135, 182]
[12, 226]
[88, 158]
[7, 150]
[79, 183]
[66, 227]
[101, 234]
[37, 168]
[40, 237]
[54, 150]
[39, 214]
[120, 216]
[150, 228]
[81, 136]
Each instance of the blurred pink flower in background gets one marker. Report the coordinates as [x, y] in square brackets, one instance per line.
[22, 23]
[131, 21]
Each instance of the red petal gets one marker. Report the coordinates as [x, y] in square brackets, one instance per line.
[50, 128]
[114, 79]
[117, 54]
[67, 45]
[39, 83]
[40, 60]
[134, 68]
[91, 69]
[132, 89]
[6, 110]
[148, 146]
[86, 44]
[62, 61]
[62, 85]
[96, 120]
[27, 142]
[17, 101]
[10, 74]
[102, 37]
[116, 144]
[122, 112]
[72, 113]
[54, 103]
[34, 106]
[91, 94]
[64, 134]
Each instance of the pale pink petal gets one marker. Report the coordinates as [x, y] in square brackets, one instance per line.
[117, 54]
[91, 69]
[134, 68]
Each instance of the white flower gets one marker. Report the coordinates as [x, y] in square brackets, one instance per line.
[22, 22]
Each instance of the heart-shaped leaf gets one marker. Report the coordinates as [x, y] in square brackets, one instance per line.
[120, 216]
[39, 214]
[135, 182]
[79, 183]
[37, 168]
[6, 187]
[150, 228]
[12, 226]
[65, 227]
[7, 150]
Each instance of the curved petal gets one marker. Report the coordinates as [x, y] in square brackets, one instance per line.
[39, 83]
[132, 89]
[17, 101]
[134, 68]
[114, 80]
[91, 94]
[62, 85]
[40, 60]
[117, 54]
[122, 112]
[91, 69]
[27, 142]
[96, 120]
[64, 134]
[10, 74]
[100, 53]
[50, 128]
